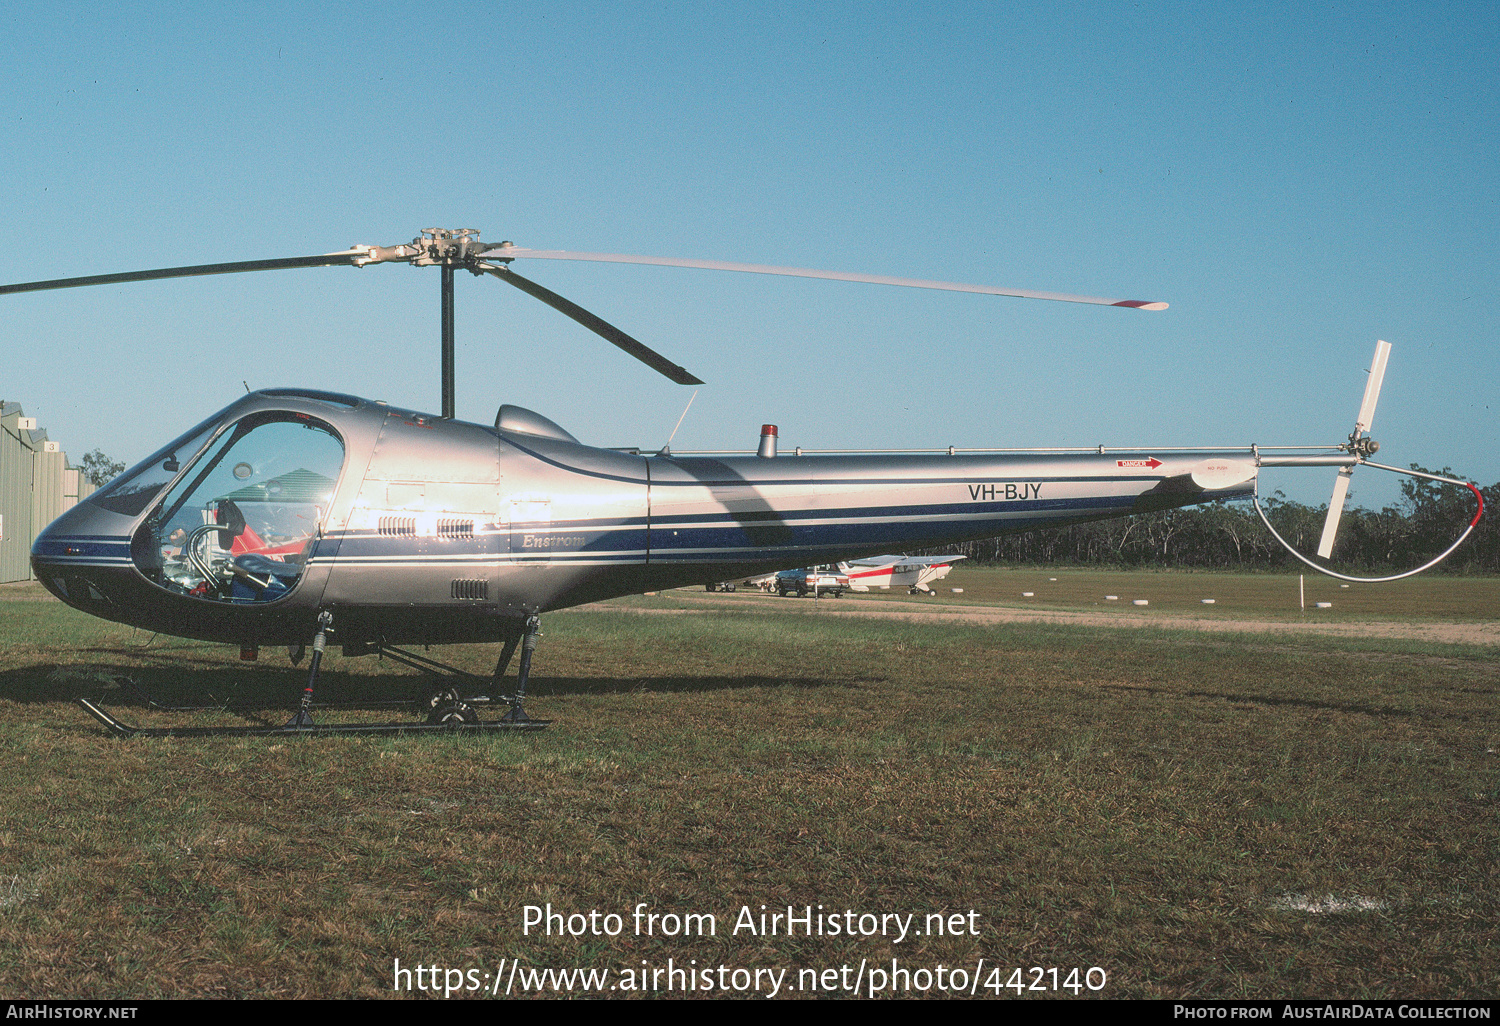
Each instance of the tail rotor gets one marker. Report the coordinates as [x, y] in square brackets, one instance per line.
[1356, 452]
[1360, 446]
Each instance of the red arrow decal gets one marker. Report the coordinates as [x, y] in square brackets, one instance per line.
[1151, 463]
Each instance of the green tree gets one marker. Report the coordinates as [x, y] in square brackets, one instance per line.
[99, 468]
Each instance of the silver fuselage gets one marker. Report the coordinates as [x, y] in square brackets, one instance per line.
[433, 531]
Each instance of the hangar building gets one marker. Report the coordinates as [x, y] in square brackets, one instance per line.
[36, 485]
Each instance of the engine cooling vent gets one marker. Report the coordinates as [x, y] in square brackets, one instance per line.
[455, 528]
[398, 527]
[471, 589]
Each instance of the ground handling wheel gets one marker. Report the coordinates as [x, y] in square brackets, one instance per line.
[446, 709]
[452, 714]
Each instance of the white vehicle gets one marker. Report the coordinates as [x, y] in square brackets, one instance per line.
[813, 580]
[915, 573]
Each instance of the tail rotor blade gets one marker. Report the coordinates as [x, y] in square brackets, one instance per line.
[1335, 511]
[1361, 426]
[1372, 387]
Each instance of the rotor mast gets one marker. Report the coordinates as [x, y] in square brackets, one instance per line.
[448, 248]
[447, 342]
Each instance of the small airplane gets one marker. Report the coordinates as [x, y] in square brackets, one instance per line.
[914, 573]
[297, 515]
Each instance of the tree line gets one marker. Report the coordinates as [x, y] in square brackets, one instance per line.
[1229, 535]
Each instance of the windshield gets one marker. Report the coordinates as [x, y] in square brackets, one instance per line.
[133, 490]
[240, 523]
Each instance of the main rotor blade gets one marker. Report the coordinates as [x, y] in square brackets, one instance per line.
[600, 327]
[325, 260]
[515, 252]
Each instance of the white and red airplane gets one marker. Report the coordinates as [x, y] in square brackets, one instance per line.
[915, 573]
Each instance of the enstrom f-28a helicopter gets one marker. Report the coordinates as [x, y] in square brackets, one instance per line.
[295, 515]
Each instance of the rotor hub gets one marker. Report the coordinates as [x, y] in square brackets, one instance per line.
[449, 247]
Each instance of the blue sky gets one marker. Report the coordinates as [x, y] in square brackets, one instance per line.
[1295, 183]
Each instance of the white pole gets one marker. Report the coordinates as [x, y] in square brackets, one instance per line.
[1301, 595]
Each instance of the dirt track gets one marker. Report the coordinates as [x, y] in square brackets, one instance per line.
[1438, 632]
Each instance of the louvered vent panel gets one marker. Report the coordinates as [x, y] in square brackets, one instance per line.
[398, 527]
[470, 589]
[455, 528]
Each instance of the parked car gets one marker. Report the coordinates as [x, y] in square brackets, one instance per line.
[817, 580]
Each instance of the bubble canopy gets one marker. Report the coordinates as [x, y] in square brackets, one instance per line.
[239, 522]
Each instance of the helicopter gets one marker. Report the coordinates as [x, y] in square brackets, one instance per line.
[297, 515]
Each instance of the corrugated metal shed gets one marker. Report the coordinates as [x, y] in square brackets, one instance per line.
[76, 488]
[15, 495]
[36, 486]
[47, 467]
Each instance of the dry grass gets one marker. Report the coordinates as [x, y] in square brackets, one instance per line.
[1199, 816]
[1258, 596]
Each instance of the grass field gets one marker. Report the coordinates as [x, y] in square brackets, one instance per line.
[1262, 596]
[1192, 814]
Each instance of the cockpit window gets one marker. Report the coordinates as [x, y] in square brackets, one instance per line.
[241, 521]
[132, 491]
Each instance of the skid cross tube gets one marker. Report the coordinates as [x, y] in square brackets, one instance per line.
[427, 665]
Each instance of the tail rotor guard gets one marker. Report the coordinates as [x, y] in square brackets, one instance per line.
[1359, 449]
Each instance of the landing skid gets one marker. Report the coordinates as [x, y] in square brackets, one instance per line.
[121, 729]
[449, 709]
